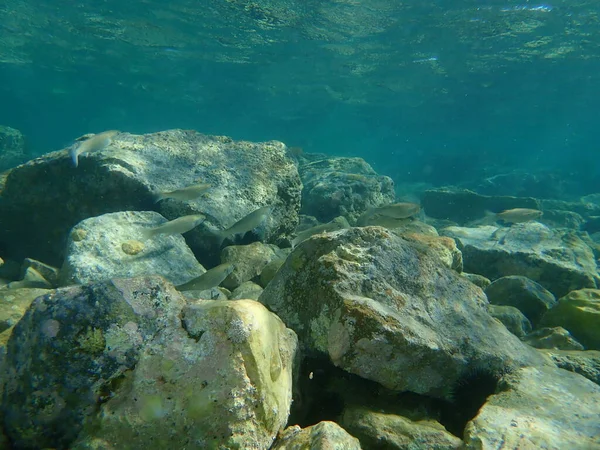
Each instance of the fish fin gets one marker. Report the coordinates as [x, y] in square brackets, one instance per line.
[147, 233]
[74, 155]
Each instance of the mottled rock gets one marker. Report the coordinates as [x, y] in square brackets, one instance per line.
[511, 318]
[222, 381]
[552, 338]
[13, 150]
[322, 436]
[249, 261]
[538, 408]
[381, 308]
[578, 312]
[586, 363]
[145, 370]
[524, 294]
[342, 187]
[442, 247]
[13, 304]
[244, 176]
[559, 261]
[100, 254]
[248, 290]
[380, 430]
[462, 206]
[477, 280]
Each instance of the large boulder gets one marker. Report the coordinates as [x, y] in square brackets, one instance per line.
[111, 246]
[343, 187]
[579, 313]
[538, 408]
[43, 199]
[127, 364]
[382, 307]
[559, 261]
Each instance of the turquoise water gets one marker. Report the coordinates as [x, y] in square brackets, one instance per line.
[438, 92]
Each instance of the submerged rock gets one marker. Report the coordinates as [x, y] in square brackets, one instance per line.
[108, 246]
[552, 338]
[145, 370]
[381, 308]
[586, 363]
[511, 318]
[377, 429]
[524, 294]
[13, 305]
[538, 408]
[43, 199]
[578, 312]
[325, 435]
[559, 261]
[343, 187]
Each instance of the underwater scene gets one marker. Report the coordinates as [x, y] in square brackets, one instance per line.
[299, 224]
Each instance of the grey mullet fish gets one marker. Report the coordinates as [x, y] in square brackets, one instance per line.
[96, 143]
[208, 280]
[178, 226]
[184, 194]
[336, 224]
[245, 224]
[393, 211]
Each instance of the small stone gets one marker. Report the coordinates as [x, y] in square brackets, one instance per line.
[132, 247]
[78, 235]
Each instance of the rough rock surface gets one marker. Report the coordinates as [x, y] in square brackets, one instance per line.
[342, 187]
[559, 261]
[524, 294]
[141, 377]
[13, 150]
[43, 199]
[380, 430]
[578, 312]
[381, 308]
[552, 338]
[247, 290]
[586, 363]
[111, 246]
[322, 436]
[538, 408]
[511, 318]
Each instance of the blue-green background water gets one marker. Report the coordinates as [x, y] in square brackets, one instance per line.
[440, 92]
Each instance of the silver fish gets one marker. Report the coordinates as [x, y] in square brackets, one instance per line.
[402, 210]
[96, 143]
[208, 280]
[178, 226]
[246, 223]
[184, 194]
[519, 215]
[336, 224]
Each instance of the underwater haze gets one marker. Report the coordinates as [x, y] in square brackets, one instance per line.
[432, 91]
